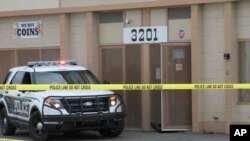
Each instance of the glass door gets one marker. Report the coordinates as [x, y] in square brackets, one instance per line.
[176, 104]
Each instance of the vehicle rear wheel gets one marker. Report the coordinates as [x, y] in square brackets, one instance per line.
[36, 127]
[113, 132]
[6, 127]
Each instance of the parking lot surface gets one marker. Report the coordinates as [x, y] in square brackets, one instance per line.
[128, 136]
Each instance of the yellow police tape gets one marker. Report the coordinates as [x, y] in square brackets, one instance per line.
[124, 87]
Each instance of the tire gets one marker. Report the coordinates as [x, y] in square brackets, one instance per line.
[36, 128]
[113, 132]
[6, 128]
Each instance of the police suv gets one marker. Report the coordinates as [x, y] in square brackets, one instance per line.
[57, 111]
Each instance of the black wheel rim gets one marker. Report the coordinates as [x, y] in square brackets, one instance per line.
[36, 129]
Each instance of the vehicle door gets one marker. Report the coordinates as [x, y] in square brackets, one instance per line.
[18, 104]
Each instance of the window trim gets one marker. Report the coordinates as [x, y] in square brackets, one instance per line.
[239, 42]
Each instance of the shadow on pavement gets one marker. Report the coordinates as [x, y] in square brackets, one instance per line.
[88, 135]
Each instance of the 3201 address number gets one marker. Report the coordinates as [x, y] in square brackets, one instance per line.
[152, 34]
[147, 34]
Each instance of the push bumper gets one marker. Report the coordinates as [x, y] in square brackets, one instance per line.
[84, 117]
[54, 124]
[83, 120]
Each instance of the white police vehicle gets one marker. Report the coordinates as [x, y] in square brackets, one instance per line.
[57, 111]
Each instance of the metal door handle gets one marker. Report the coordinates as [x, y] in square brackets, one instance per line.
[18, 94]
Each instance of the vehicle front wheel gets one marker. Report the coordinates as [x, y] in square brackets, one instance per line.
[113, 132]
[6, 127]
[36, 127]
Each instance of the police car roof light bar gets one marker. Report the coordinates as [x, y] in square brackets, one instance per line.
[51, 63]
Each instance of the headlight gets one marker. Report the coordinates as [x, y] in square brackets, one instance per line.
[112, 100]
[56, 103]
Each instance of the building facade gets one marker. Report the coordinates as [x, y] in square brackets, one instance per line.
[208, 42]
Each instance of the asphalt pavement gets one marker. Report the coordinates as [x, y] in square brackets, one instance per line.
[126, 136]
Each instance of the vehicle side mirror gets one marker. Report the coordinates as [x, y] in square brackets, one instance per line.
[105, 82]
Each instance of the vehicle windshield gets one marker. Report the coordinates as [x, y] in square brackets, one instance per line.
[65, 77]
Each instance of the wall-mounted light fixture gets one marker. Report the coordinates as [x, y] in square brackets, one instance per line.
[215, 118]
[127, 21]
[226, 56]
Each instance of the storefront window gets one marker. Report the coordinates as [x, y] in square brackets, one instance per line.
[179, 13]
[244, 54]
[111, 17]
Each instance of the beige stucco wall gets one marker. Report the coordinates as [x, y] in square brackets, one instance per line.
[12, 5]
[212, 102]
[240, 113]
[50, 36]
[111, 33]
[72, 3]
[176, 25]
[135, 17]
[77, 38]
[158, 17]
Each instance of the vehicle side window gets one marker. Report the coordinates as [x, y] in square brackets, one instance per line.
[26, 78]
[6, 78]
[18, 78]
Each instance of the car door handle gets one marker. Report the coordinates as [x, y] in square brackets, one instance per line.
[18, 94]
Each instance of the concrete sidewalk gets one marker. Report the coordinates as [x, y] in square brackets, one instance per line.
[129, 136]
[170, 136]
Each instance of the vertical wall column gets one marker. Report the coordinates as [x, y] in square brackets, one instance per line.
[64, 36]
[145, 75]
[196, 48]
[92, 43]
[229, 35]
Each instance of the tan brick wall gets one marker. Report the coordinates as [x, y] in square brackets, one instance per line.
[240, 113]
[212, 102]
[243, 19]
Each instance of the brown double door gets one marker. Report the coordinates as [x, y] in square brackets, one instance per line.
[176, 104]
[123, 65]
[17, 57]
[168, 64]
